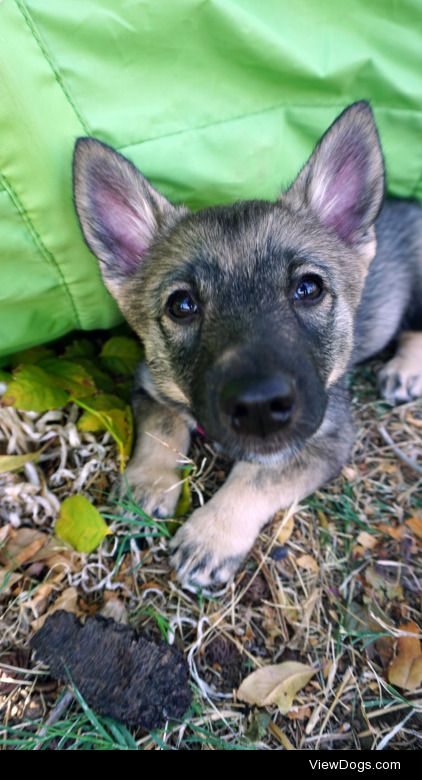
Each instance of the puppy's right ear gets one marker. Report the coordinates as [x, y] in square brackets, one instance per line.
[119, 211]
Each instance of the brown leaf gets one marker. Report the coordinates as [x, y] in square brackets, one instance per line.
[415, 524]
[368, 541]
[299, 713]
[396, 532]
[7, 580]
[405, 671]
[28, 545]
[68, 600]
[308, 562]
[275, 684]
[21, 547]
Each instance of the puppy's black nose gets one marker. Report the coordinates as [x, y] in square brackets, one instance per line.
[258, 407]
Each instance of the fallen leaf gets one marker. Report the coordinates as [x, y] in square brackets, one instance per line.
[382, 585]
[415, 524]
[103, 381]
[413, 420]
[405, 671]
[117, 421]
[276, 684]
[79, 348]
[68, 376]
[31, 389]
[115, 609]
[299, 713]
[396, 532]
[68, 600]
[38, 603]
[22, 546]
[286, 530]
[7, 580]
[80, 524]
[257, 725]
[184, 503]
[323, 520]
[307, 562]
[30, 356]
[102, 402]
[368, 541]
[121, 355]
[14, 462]
[5, 531]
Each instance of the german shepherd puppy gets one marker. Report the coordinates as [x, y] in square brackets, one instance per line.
[251, 315]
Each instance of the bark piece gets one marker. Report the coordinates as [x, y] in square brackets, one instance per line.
[118, 673]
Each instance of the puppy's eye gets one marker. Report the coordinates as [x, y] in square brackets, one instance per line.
[309, 289]
[181, 306]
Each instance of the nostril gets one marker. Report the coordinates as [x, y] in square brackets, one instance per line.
[281, 406]
[240, 410]
[238, 415]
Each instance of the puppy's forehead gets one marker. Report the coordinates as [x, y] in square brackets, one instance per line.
[252, 235]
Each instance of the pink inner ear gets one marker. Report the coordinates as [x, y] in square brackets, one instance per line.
[125, 231]
[338, 193]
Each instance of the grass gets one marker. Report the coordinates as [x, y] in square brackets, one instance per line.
[340, 614]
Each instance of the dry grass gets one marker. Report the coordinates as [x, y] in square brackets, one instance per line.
[338, 609]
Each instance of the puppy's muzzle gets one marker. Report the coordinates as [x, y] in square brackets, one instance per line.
[258, 406]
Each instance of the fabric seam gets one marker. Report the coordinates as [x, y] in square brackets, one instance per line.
[48, 57]
[48, 256]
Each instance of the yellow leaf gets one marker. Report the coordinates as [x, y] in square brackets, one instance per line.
[14, 462]
[276, 684]
[184, 503]
[69, 376]
[286, 530]
[405, 670]
[308, 562]
[31, 389]
[80, 524]
[117, 421]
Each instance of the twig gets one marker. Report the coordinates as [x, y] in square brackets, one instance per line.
[408, 461]
[62, 705]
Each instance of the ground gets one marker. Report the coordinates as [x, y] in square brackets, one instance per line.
[329, 583]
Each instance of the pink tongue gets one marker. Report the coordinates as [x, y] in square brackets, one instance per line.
[199, 429]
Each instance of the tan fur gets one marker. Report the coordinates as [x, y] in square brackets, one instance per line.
[154, 471]
[401, 378]
[220, 534]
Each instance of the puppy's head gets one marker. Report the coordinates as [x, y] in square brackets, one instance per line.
[246, 311]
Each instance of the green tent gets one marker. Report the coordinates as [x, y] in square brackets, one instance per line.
[214, 100]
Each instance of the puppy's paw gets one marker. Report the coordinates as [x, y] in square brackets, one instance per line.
[154, 489]
[204, 552]
[400, 381]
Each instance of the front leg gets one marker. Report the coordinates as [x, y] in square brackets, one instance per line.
[210, 546]
[154, 471]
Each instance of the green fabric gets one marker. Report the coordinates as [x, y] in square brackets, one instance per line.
[214, 100]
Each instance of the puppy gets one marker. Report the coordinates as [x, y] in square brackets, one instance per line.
[251, 315]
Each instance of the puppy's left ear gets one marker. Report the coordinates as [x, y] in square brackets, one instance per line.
[120, 212]
[343, 181]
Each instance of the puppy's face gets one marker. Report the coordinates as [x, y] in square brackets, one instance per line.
[246, 312]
